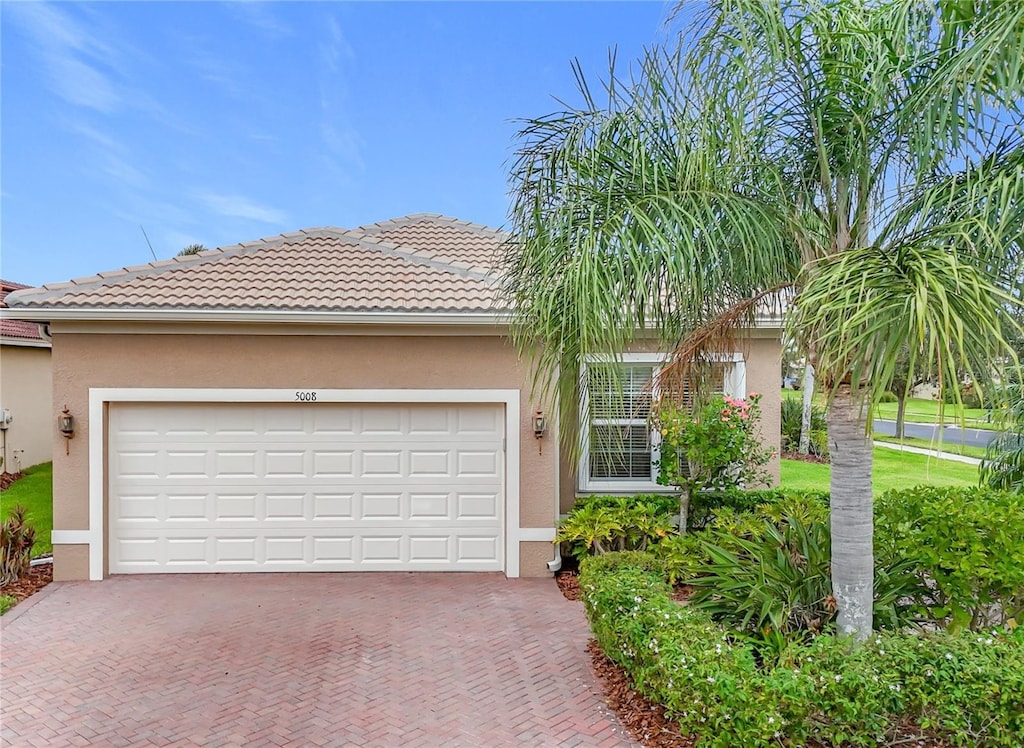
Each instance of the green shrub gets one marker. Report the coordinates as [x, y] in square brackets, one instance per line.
[966, 688]
[663, 503]
[706, 504]
[888, 397]
[17, 537]
[970, 396]
[7, 602]
[774, 587]
[734, 513]
[792, 420]
[965, 548]
[599, 525]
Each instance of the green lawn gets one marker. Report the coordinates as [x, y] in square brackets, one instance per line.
[919, 410]
[892, 469]
[35, 493]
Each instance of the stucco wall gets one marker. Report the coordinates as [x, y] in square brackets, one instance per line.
[763, 358]
[26, 389]
[81, 361]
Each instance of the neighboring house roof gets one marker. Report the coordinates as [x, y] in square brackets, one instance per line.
[13, 330]
[419, 263]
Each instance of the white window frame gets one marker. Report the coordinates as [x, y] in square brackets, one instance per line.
[734, 385]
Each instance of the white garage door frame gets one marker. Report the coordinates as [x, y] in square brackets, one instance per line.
[99, 398]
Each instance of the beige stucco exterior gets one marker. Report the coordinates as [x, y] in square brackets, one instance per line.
[307, 361]
[197, 355]
[26, 390]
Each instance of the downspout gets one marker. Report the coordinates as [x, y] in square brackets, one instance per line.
[555, 564]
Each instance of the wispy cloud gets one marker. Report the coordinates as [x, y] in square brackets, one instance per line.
[236, 206]
[336, 48]
[113, 157]
[78, 63]
[257, 14]
[339, 135]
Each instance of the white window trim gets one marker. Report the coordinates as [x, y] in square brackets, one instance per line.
[100, 397]
[734, 385]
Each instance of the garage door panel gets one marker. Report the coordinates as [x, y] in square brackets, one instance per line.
[320, 487]
[333, 464]
[331, 506]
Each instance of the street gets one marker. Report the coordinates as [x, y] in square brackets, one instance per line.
[951, 434]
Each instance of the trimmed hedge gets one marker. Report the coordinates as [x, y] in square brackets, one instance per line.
[964, 545]
[968, 688]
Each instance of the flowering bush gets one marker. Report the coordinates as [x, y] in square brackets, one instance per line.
[716, 448]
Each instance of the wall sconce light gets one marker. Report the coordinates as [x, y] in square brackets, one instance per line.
[540, 424]
[540, 427]
[66, 424]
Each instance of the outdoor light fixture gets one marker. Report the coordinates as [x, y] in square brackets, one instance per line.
[66, 424]
[540, 424]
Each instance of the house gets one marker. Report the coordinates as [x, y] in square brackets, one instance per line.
[322, 400]
[27, 423]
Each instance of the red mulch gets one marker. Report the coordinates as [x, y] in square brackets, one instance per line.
[569, 584]
[645, 721]
[6, 479]
[37, 578]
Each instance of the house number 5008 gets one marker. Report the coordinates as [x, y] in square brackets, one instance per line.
[307, 396]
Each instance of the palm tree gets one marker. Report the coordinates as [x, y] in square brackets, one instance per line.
[861, 160]
[191, 249]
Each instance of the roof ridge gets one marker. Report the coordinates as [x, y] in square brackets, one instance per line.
[439, 218]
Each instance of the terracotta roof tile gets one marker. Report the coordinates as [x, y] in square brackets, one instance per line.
[419, 263]
[13, 328]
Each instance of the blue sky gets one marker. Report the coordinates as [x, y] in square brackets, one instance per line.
[226, 122]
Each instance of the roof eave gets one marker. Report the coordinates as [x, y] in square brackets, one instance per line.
[49, 314]
[24, 342]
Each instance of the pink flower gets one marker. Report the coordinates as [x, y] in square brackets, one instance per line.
[754, 394]
[725, 419]
[744, 416]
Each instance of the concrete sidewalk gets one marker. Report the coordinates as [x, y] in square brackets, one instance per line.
[930, 452]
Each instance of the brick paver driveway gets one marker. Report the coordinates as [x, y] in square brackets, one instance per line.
[301, 659]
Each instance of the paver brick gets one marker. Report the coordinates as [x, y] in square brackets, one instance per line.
[418, 660]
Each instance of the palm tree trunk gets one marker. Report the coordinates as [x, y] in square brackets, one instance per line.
[805, 416]
[852, 515]
[901, 415]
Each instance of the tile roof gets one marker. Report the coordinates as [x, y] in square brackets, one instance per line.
[422, 262]
[13, 328]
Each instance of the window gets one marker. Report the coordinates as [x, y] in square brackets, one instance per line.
[620, 451]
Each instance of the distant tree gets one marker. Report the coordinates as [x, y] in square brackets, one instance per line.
[905, 377]
[192, 249]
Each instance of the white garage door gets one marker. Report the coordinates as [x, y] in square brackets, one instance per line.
[296, 487]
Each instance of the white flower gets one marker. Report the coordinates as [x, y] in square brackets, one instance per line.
[949, 656]
[838, 678]
[710, 679]
[771, 720]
